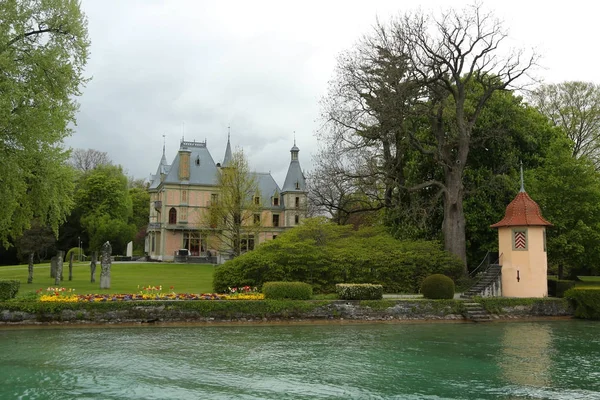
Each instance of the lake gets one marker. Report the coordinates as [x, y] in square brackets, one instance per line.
[501, 360]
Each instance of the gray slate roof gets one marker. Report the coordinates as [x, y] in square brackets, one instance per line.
[203, 174]
[294, 175]
[268, 188]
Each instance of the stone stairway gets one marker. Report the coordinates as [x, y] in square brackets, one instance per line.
[487, 285]
[475, 312]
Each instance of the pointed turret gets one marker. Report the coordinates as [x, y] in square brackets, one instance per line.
[227, 158]
[294, 180]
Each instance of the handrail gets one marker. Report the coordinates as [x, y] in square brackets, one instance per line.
[486, 258]
[472, 273]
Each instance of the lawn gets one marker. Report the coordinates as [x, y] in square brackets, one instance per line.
[125, 277]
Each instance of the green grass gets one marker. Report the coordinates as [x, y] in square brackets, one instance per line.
[588, 282]
[125, 277]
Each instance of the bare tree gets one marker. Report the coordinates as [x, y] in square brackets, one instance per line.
[87, 159]
[575, 107]
[420, 84]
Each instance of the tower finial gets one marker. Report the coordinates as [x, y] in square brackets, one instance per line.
[164, 143]
[294, 138]
[228, 132]
[522, 181]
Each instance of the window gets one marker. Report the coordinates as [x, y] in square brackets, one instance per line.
[194, 243]
[214, 198]
[297, 202]
[184, 198]
[297, 185]
[247, 243]
[274, 237]
[296, 219]
[198, 160]
[256, 219]
[275, 219]
[520, 239]
[172, 216]
[257, 200]
[275, 201]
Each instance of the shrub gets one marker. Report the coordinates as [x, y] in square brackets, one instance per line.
[359, 291]
[586, 301]
[438, 286]
[287, 290]
[9, 289]
[324, 254]
[557, 288]
[75, 251]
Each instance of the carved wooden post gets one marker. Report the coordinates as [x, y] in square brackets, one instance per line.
[71, 266]
[105, 266]
[30, 268]
[93, 266]
[59, 268]
[53, 264]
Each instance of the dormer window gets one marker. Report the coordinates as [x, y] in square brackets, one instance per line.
[257, 200]
[297, 185]
[275, 201]
[197, 161]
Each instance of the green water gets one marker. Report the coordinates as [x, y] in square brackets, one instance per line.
[518, 360]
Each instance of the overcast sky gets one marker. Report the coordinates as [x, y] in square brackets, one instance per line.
[193, 68]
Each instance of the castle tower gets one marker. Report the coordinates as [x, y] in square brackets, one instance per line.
[294, 191]
[522, 248]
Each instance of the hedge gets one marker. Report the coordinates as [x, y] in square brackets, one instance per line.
[9, 289]
[586, 301]
[359, 291]
[287, 290]
[438, 286]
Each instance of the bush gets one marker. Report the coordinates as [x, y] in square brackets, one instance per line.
[359, 291]
[557, 288]
[75, 251]
[586, 301]
[287, 290]
[324, 254]
[438, 286]
[9, 289]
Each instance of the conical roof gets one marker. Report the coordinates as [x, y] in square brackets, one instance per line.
[227, 158]
[522, 211]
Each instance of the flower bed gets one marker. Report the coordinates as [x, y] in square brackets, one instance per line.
[148, 293]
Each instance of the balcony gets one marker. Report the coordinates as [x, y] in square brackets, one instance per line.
[154, 225]
[158, 205]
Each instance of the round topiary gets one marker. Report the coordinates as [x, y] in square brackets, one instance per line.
[437, 286]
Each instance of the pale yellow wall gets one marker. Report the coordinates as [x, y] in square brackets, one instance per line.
[532, 263]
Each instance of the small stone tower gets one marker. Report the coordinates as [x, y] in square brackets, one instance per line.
[294, 191]
[522, 248]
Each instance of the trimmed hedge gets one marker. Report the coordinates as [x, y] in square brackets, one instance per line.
[359, 291]
[9, 289]
[586, 301]
[287, 290]
[438, 286]
[557, 288]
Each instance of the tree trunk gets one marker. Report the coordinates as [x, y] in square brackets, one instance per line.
[71, 266]
[30, 268]
[454, 217]
[59, 268]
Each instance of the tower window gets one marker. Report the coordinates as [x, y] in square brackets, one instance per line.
[275, 201]
[257, 219]
[296, 219]
[172, 216]
[275, 219]
[297, 202]
[297, 185]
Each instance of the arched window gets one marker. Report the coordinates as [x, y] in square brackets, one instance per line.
[172, 216]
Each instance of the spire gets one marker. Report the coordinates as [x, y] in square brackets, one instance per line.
[163, 160]
[522, 181]
[227, 158]
[294, 180]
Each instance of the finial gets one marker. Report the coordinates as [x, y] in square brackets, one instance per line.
[522, 182]
[164, 143]
[228, 132]
[294, 138]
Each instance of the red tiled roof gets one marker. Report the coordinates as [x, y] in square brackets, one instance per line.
[522, 211]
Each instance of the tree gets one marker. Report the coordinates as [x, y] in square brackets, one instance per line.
[104, 203]
[232, 215]
[85, 160]
[37, 239]
[43, 51]
[140, 199]
[575, 107]
[424, 84]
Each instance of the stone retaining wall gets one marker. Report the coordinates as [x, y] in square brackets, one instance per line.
[386, 310]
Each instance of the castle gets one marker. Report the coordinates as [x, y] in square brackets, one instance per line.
[182, 192]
